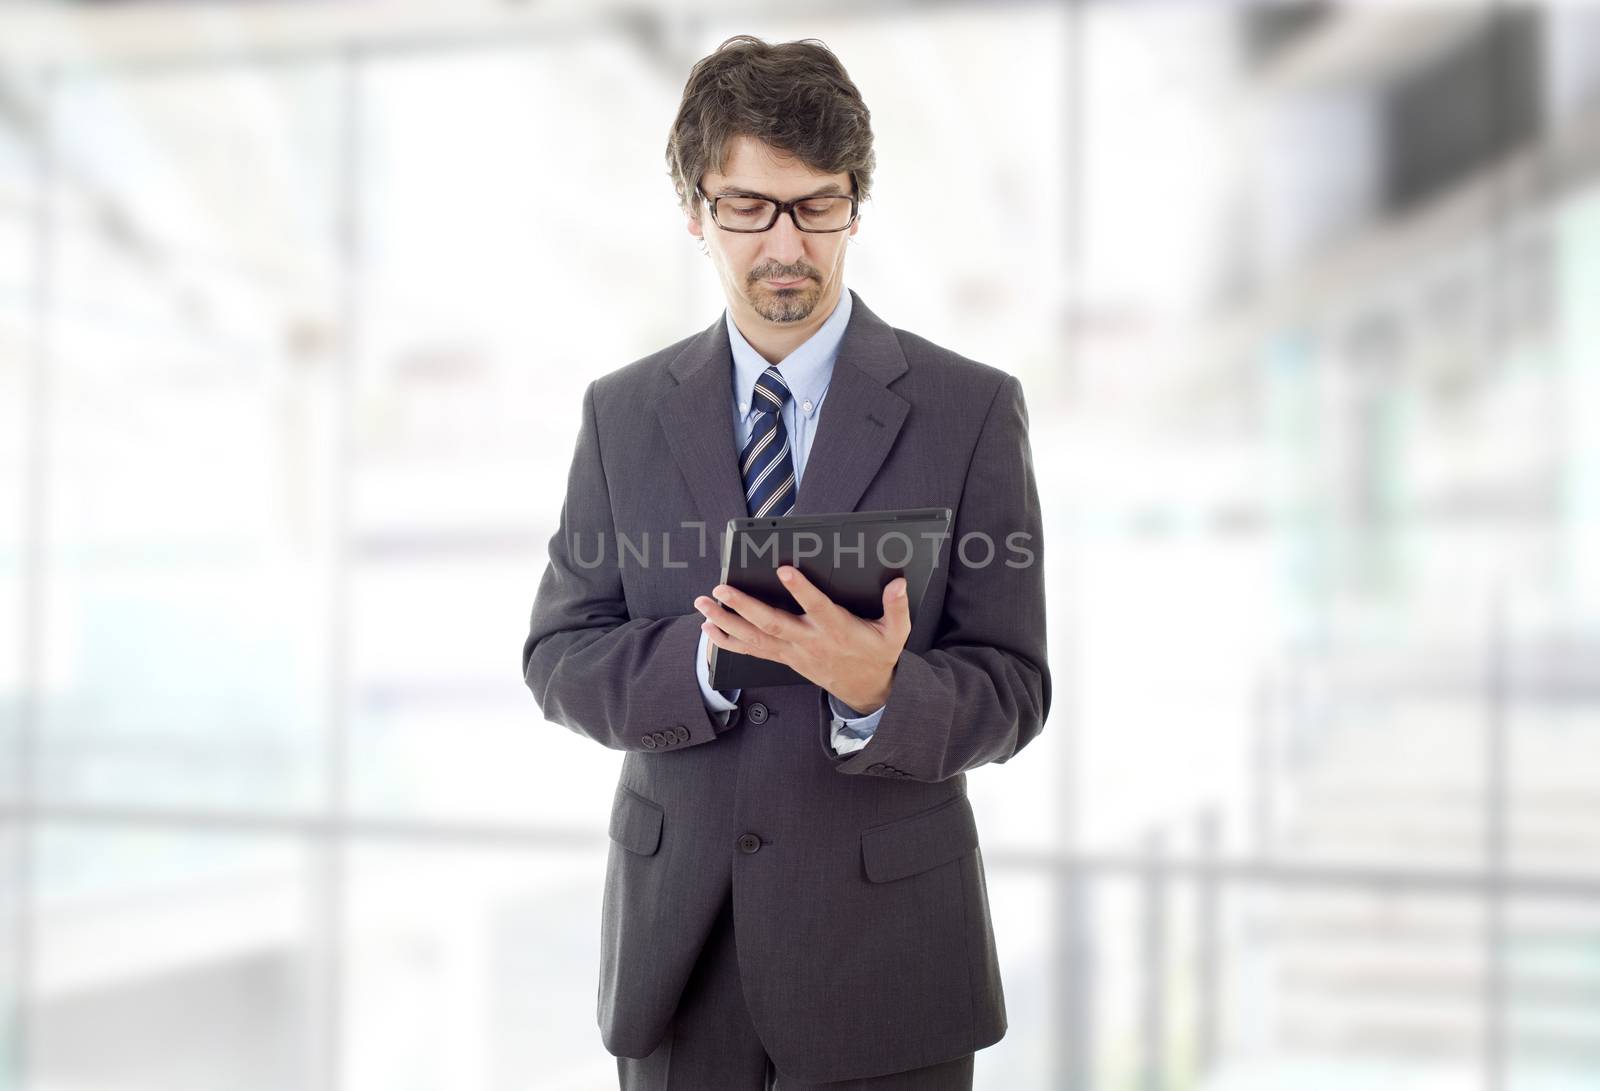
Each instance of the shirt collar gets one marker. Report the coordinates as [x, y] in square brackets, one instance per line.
[807, 369]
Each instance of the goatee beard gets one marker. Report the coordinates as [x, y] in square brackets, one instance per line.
[788, 305]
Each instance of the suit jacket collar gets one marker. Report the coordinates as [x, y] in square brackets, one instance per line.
[858, 425]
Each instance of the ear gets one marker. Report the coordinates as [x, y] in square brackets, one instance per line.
[694, 227]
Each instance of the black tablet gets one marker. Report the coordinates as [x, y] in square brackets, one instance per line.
[850, 556]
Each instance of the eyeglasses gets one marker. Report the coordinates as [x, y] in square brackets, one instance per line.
[750, 213]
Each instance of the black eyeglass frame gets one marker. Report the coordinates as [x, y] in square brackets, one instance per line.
[779, 208]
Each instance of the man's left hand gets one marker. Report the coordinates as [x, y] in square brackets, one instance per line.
[848, 656]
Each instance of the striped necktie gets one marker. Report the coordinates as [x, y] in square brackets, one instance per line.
[768, 470]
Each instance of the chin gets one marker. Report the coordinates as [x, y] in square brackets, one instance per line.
[786, 304]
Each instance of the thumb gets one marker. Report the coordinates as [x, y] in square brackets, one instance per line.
[896, 603]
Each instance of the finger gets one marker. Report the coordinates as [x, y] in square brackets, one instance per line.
[730, 622]
[715, 635]
[810, 597]
[767, 619]
[897, 608]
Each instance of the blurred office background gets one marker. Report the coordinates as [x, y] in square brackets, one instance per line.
[297, 303]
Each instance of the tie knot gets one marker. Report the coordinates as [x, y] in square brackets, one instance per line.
[771, 390]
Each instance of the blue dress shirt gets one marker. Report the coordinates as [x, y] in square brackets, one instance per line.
[807, 370]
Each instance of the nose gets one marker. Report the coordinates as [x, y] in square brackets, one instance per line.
[785, 242]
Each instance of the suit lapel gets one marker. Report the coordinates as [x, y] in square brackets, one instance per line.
[859, 422]
[697, 417]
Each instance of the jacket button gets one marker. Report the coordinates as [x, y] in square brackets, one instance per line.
[660, 737]
[758, 713]
[748, 843]
[648, 741]
[681, 733]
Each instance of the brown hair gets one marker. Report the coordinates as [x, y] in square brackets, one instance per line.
[794, 96]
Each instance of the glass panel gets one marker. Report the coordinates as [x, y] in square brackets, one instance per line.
[1179, 598]
[188, 601]
[1551, 615]
[1327, 987]
[1351, 990]
[1347, 429]
[1255, 988]
[1021, 907]
[443, 725]
[1550, 984]
[170, 960]
[473, 968]
[492, 302]
[11, 953]
[18, 202]
[1550, 765]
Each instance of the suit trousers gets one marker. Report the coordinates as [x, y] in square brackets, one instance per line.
[712, 1044]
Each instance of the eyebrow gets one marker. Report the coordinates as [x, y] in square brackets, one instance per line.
[832, 189]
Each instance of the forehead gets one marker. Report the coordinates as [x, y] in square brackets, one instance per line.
[760, 168]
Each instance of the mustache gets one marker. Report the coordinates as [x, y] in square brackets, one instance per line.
[779, 273]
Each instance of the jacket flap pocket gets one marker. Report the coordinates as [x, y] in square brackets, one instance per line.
[635, 822]
[909, 845]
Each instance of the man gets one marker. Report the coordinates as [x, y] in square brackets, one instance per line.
[794, 895]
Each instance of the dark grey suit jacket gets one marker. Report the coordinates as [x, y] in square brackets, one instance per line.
[860, 907]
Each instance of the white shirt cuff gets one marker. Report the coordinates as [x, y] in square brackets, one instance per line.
[716, 700]
[850, 733]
